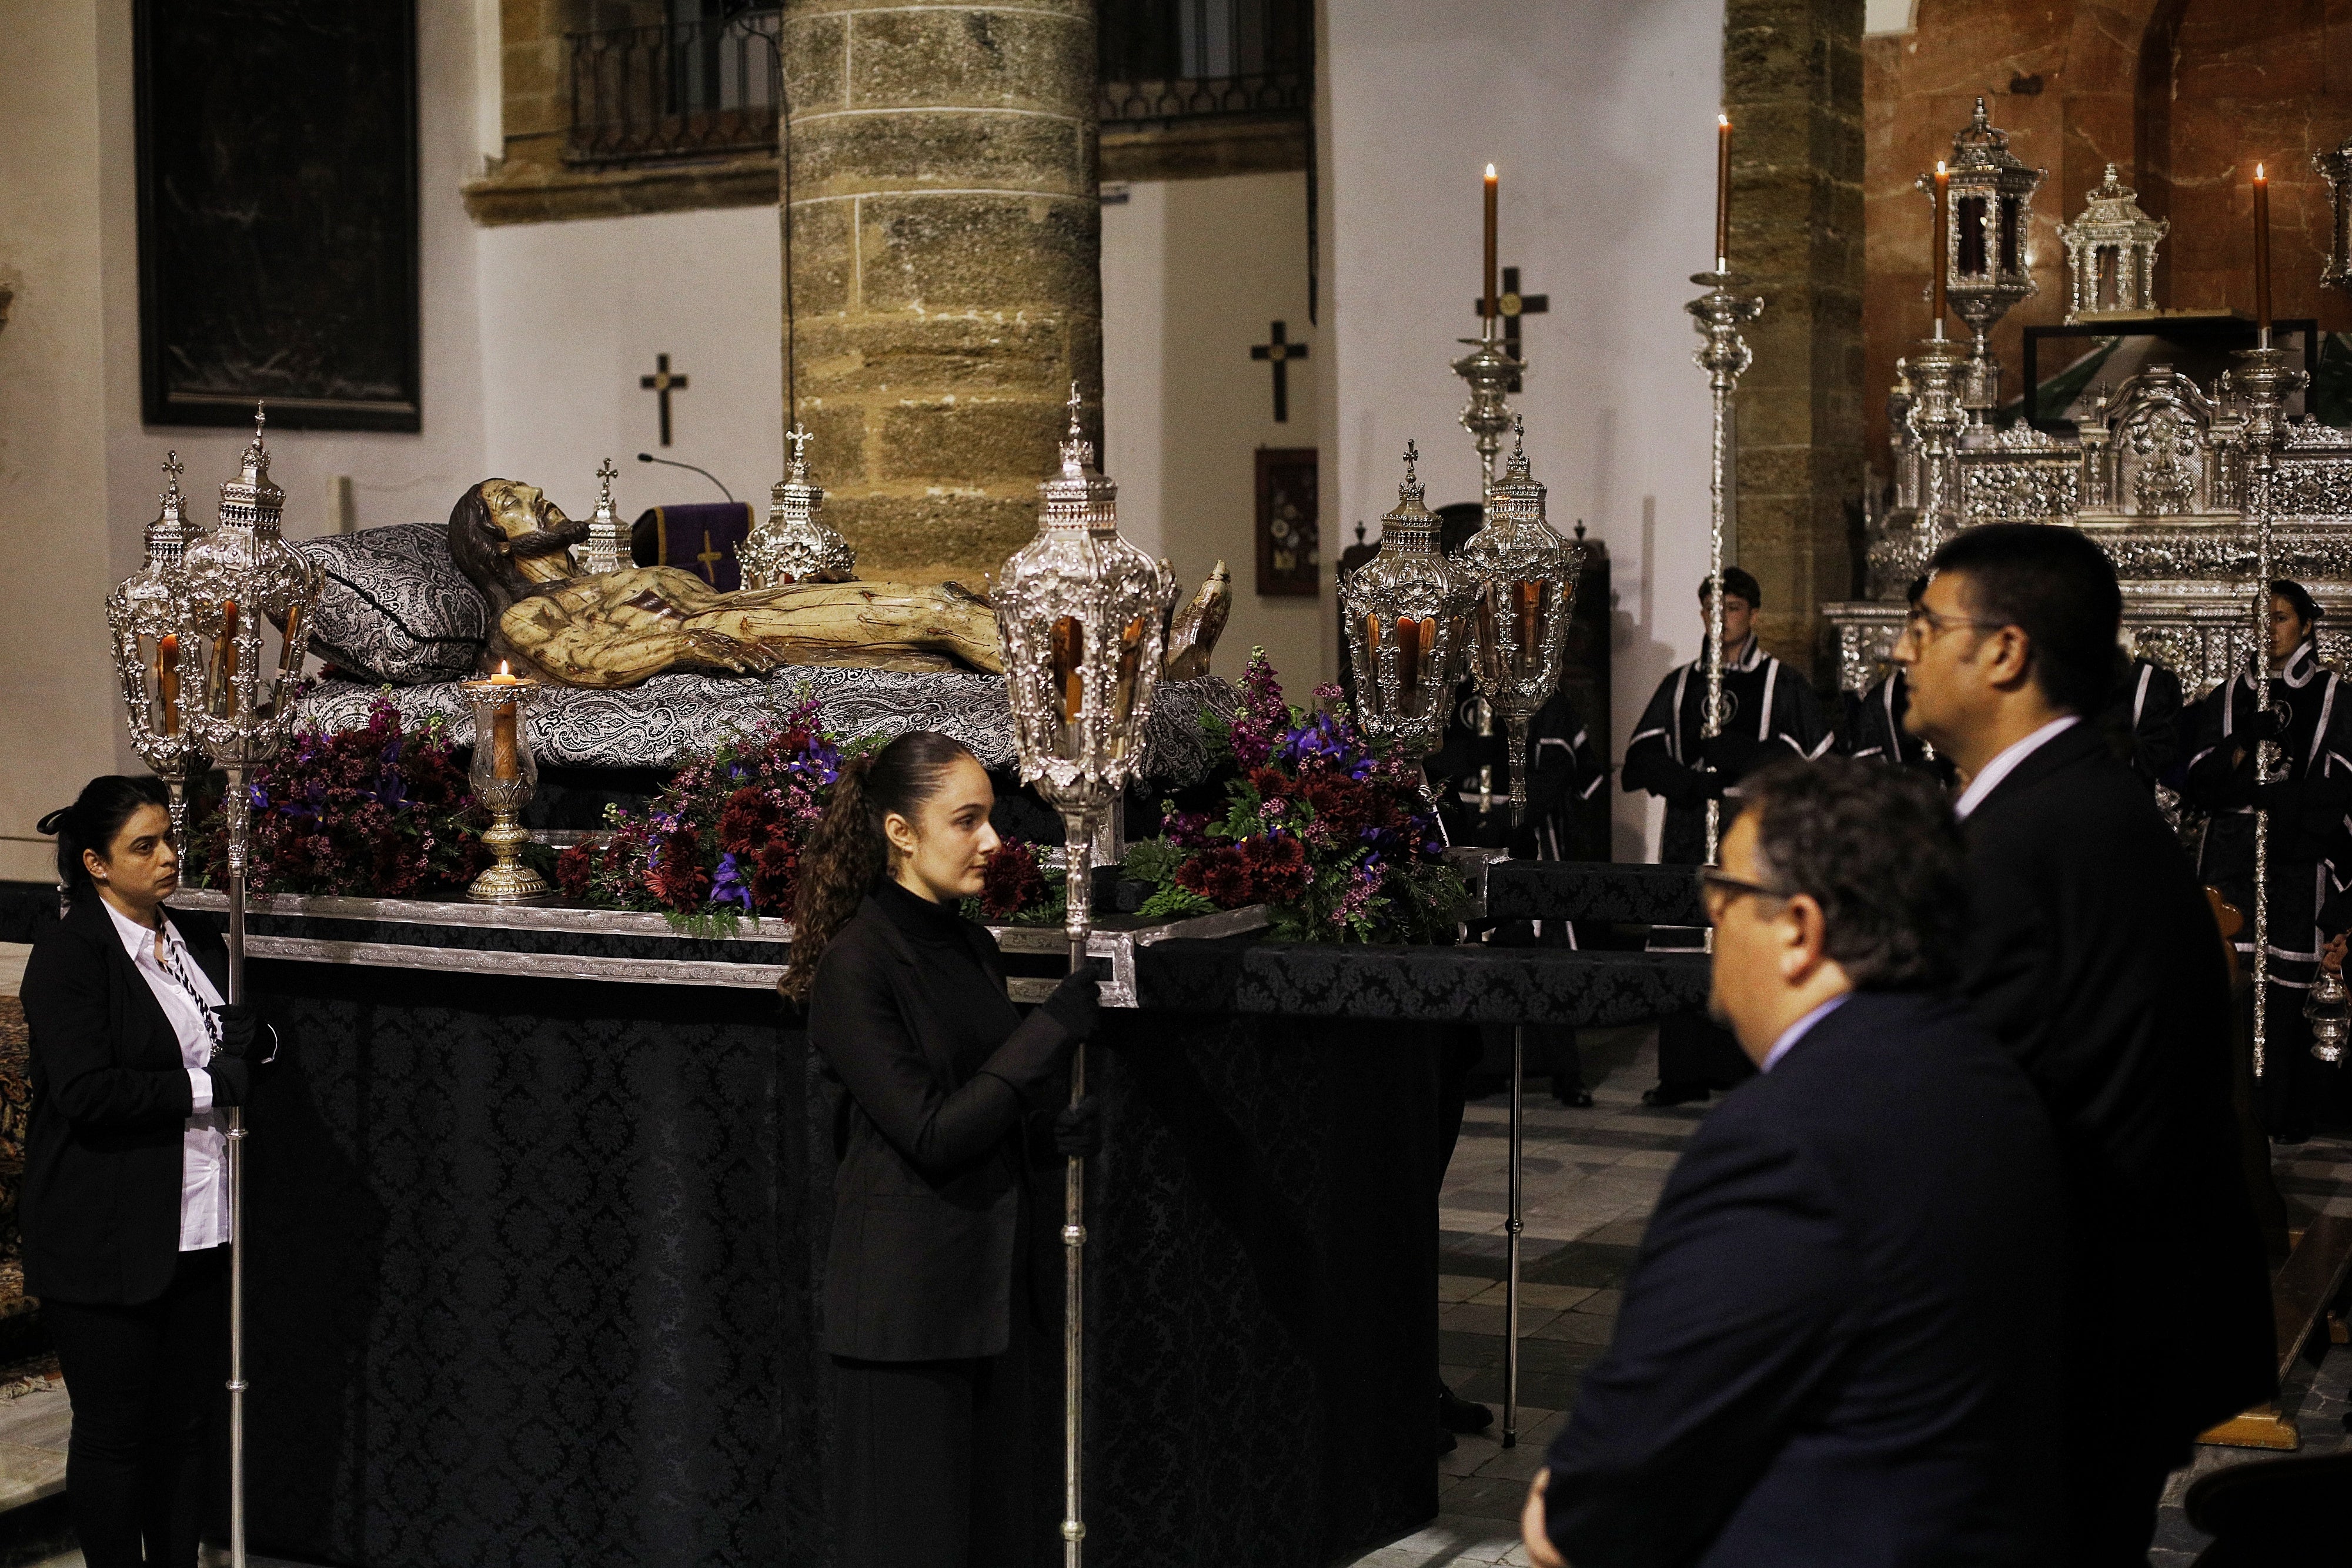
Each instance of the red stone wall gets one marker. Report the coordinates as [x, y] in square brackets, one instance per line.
[2183, 96]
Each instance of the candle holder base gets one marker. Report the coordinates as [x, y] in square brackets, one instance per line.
[508, 881]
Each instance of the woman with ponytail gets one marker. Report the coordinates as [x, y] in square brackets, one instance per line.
[125, 1207]
[935, 1082]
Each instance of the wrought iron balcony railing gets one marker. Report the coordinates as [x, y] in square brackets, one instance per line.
[1168, 60]
[680, 89]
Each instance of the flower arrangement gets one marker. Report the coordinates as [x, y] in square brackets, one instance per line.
[1332, 833]
[723, 838]
[376, 810]
[1016, 890]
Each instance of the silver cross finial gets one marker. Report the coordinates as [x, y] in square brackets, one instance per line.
[1075, 406]
[174, 467]
[608, 474]
[1412, 457]
[799, 438]
[1519, 435]
[260, 416]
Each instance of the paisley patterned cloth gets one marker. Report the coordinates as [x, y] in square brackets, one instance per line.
[395, 609]
[652, 725]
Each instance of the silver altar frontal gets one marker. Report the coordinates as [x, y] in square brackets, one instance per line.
[2159, 472]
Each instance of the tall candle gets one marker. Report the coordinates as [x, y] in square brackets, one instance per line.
[2263, 255]
[1723, 192]
[1943, 241]
[1490, 302]
[167, 680]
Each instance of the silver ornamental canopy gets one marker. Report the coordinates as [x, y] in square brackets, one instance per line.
[607, 548]
[2111, 253]
[794, 543]
[1403, 614]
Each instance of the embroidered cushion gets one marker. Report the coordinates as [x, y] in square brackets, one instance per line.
[395, 610]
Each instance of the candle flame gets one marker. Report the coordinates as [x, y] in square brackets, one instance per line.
[502, 667]
[2260, 177]
[1490, 171]
[1723, 120]
[1939, 167]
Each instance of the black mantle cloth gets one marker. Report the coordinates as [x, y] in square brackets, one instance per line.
[533, 1262]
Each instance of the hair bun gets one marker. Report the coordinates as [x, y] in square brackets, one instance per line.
[55, 820]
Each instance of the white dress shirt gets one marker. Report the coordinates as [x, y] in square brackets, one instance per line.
[1798, 1031]
[203, 1147]
[2001, 766]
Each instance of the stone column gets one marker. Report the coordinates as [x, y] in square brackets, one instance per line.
[1792, 85]
[943, 266]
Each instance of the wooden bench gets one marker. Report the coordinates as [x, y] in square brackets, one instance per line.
[2300, 1293]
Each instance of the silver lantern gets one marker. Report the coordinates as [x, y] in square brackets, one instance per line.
[2328, 1011]
[1987, 244]
[2111, 253]
[243, 578]
[2335, 166]
[1403, 610]
[1083, 615]
[794, 543]
[1523, 579]
[150, 616]
[607, 548]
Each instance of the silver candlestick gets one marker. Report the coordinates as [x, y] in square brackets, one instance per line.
[2264, 378]
[1717, 314]
[1489, 369]
[1083, 615]
[243, 577]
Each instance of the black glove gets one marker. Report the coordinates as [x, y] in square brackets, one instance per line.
[238, 1025]
[1074, 1003]
[1729, 752]
[232, 1081]
[1077, 1129]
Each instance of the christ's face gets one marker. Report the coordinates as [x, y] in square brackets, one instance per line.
[521, 510]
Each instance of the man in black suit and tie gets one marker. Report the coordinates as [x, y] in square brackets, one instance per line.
[2093, 957]
[1838, 1347]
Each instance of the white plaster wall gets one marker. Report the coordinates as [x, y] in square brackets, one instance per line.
[1193, 273]
[573, 314]
[1600, 116]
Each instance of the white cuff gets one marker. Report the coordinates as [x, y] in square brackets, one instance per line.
[200, 1092]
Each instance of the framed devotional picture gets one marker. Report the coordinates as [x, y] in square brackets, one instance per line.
[1290, 540]
[277, 248]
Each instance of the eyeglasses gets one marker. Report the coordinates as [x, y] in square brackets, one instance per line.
[1719, 890]
[1922, 625]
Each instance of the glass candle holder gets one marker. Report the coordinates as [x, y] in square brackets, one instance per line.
[505, 775]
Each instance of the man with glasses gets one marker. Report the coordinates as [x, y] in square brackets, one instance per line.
[2093, 957]
[1838, 1347]
[1771, 714]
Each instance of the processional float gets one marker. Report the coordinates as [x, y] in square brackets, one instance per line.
[1083, 615]
[213, 617]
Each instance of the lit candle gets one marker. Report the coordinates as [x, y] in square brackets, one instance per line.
[1723, 192]
[167, 680]
[2262, 256]
[505, 677]
[1943, 240]
[1490, 302]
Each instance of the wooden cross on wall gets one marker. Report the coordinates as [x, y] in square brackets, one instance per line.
[664, 384]
[1510, 307]
[1279, 353]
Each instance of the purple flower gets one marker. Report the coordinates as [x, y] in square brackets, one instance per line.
[728, 886]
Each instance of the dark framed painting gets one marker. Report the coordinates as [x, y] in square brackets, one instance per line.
[278, 241]
[2066, 367]
[1290, 538]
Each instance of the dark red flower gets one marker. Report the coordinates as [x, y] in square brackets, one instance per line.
[1220, 875]
[574, 869]
[747, 821]
[774, 869]
[1278, 871]
[1011, 882]
[676, 876]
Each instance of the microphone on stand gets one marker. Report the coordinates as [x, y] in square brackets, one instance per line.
[649, 457]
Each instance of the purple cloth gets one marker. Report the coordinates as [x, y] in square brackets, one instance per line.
[700, 539]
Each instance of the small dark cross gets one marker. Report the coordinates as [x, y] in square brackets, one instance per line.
[1279, 353]
[664, 384]
[1510, 306]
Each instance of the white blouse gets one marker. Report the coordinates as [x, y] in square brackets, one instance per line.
[203, 1148]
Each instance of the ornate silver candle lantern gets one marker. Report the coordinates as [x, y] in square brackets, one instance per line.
[150, 614]
[2264, 378]
[505, 773]
[794, 543]
[607, 548]
[1084, 616]
[1403, 611]
[2111, 253]
[2336, 167]
[2328, 1009]
[1523, 581]
[243, 580]
[1988, 247]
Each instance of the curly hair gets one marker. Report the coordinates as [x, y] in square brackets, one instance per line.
[1878, 850]
[847, 850]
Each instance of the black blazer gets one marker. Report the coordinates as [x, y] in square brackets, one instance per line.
[2093, 957]
[101, 1207]
[930, 1070]
[1838, 1344]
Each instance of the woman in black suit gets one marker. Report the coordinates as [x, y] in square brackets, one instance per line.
[933, 1077]
[125, 1206]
